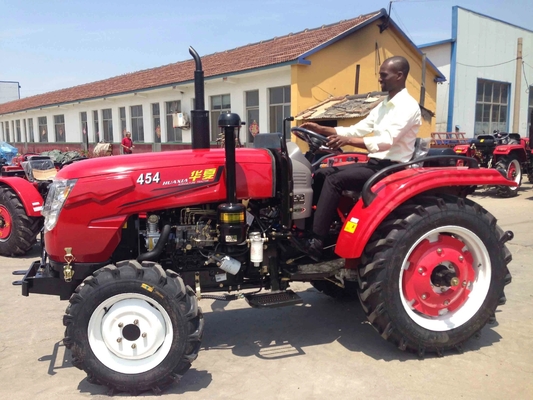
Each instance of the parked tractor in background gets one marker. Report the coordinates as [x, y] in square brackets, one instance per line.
[23, 187]
[134, 242]
[507, 152]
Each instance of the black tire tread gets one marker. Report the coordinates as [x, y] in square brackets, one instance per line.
[25, 228]
[508, 191]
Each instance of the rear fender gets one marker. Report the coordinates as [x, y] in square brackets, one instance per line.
[396, 189]
[27, 193]
[511, 149]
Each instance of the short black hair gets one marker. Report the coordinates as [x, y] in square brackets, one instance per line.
[400, 64]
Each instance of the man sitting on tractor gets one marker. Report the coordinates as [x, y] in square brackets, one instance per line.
[394, 122]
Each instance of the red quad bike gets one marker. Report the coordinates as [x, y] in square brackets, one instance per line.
[507, 152]
[23, 188]
[134, 244]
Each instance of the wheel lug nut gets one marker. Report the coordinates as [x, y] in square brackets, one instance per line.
[144, 334]
[446, 302]
[461, 258]
[424, 296]
[136, 322]
[119, 339]
[439, 251]
[421, 270]
[464, 283]
[133, 346]
[454, 281]
[120, 324]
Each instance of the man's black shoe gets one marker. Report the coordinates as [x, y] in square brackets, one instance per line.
[310, 247]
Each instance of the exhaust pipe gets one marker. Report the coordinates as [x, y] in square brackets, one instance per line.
[199, 116]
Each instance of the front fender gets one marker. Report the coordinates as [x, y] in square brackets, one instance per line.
[515, 149]
[27, 193]
[395, 189]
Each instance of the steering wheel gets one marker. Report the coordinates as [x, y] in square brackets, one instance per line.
[501, 137]
[313, 139]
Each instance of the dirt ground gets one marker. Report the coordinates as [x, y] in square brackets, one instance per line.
[320, 349]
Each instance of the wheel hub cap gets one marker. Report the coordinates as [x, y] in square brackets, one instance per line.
[132, 329]
[439, 276]
[5, 223]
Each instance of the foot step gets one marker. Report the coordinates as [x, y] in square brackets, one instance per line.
[273, 300]
[20, 272]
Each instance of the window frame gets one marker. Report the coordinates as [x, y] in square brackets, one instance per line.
[214, 129]
[488, 107]
[174, 135]
[42, 122]
[273, 107]
[107, 125]
[137, 124]
[59, 124]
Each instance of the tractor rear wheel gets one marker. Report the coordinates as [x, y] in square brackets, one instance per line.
[433, 274]
[133, 327]
[513, 171]
[18, 231]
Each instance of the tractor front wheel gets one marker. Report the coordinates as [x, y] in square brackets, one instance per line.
[434, 274]
[133, 327]
[18, 231]
[513, 171]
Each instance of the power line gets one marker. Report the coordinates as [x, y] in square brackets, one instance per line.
[525, 77]
[486, 66]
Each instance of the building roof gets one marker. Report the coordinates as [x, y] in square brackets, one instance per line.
[343, 107]
[284, 50]
[349, 106]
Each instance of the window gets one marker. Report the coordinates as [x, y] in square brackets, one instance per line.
[280, 107]
[107, 122]
[137, 130]
[30, 130]
[173, 134]
[2, 129]
[122, 112]
[96, 126]
[43, 129]
[59, 124]
[17, 130]
[8, 137]
[156, 122]
[219, 104]
[84, 128]
[252, 114]
[25, 126]
[492, 104]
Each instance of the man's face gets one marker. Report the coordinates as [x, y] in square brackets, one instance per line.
[389, 78]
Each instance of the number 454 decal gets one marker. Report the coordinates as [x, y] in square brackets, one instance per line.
[149, 177]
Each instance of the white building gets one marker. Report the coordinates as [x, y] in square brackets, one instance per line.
[488, 64]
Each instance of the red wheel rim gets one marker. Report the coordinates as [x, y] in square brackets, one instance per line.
[5, 223]
[511, 172]
[419, 284]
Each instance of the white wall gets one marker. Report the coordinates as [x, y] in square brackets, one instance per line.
[483, 42]
[234, 85]
[440, 57]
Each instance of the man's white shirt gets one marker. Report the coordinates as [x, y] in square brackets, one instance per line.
[395, 124]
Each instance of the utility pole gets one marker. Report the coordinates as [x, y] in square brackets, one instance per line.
[517, 87]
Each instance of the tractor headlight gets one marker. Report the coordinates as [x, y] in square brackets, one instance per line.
[57, 195]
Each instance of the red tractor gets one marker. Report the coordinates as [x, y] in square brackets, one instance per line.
[23, 188]
[134, 242]
[507, 152]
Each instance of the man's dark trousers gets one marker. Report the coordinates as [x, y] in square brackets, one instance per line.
[328, 184]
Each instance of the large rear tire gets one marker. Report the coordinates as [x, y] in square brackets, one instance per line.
[133, 327]
[18, 231]
[433, 274]
[513, 171]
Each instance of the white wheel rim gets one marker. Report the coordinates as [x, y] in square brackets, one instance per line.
[518, 169]
[130, 333]
[479, 287]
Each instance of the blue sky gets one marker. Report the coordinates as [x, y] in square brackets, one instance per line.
[52, 44]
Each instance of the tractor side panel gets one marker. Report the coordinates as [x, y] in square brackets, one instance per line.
[27, 193]
[98, 206]
[511, 149]
[395, 190]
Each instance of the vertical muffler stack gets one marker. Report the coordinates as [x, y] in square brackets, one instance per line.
[199, 116]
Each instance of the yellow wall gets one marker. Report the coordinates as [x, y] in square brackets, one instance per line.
[332, 71]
